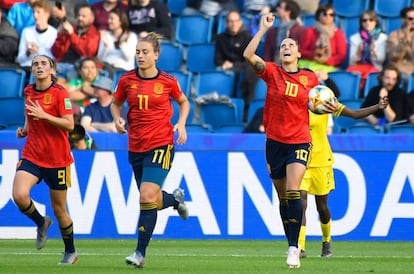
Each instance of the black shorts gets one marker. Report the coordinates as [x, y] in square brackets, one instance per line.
[279, 155]
[152, 166]
[56, 178]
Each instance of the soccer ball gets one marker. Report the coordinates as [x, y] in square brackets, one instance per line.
[317, 96]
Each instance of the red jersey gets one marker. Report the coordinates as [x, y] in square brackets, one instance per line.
[46, 145]
[149, 108]
[285, 114]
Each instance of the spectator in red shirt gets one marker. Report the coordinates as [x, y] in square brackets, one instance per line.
[75, 42]
[102, 10]
[323, 46]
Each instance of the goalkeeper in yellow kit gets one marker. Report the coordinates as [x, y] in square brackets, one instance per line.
[319, 179]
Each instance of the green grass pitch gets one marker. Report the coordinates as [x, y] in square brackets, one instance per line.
[206, 256]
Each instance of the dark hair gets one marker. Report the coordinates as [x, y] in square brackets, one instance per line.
[51, 63]
[79, 7]
[370, 13]
[323, 9]
[293, 7]
[389, 67]
[123, 17]
[153, 38]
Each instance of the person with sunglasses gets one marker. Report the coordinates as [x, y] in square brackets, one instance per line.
[323, 46]
[367, 46]
[400, 47]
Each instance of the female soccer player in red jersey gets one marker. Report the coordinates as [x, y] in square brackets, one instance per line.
[46, 154]
[148, 92]
[286, 123]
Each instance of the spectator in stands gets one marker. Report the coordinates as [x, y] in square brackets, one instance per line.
[117, 45]
[389, 79]
[228, 55]
[9, 42]
[149, 16]
[287, 11]
[102, 10]
[211, 7]
[20, 15]
[5, 5]
[79, 139]
[367, 47]
[80, 89]
[38, 39]
[410, 107]
[323, 46]
[308, 6]
[259, 7]
[65, 10]
[400, 47]
[97, 116]
[75, 42]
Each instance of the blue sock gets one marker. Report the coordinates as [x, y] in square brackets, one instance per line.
[168, 200]
[283, 208]
[294, 214]
[146, 225]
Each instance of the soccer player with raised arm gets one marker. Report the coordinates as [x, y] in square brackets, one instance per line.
[286, 123]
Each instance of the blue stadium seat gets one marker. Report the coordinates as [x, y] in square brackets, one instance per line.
[260, 89]
[348, 83]
[171, 57]
[198, 128]
[401, 129]
[364, 129]
[308, 19]
[342, 123]
[13, 112]
[184, 79]
[230, 128]
[239, 105]
[200, 57]
[176, 7]
[347, 9]
[176, 114]
[117, 75]
[216, 114]
[221, 82]
[349, 26]
[253, 107]
[193, 29]
[387, 8]
[370, 82]
[12, 82]
[390, 24]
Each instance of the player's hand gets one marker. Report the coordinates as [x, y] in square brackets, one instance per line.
[383, 102]
[331, 107]
[267, 20]
[21, 132]
[120, 126]
[35, 109]
[182, 133]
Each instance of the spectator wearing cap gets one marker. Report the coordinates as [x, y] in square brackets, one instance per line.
[79, 139]
[97, 116]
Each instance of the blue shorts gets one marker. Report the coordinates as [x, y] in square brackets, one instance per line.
[279, 155]
[152, 166]
[56, 178]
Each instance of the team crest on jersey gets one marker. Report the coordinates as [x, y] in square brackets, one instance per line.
[158, 89]
[47, 99]
[134, 86]
[303, 80]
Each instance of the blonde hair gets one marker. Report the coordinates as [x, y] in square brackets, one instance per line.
[154, 39]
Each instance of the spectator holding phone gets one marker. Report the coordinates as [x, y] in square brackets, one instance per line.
[64, 10]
